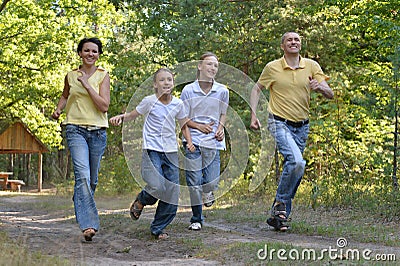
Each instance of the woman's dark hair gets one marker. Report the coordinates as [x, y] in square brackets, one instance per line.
[93, 40]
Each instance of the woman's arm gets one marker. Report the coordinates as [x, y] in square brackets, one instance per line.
[101, 99]
[63, 100]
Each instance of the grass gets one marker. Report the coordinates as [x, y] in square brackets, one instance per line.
[357, 224]
[15, 254]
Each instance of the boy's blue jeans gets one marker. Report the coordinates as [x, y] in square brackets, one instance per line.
[86, 148]
[290, 142]
[161, 173]
[202, 168]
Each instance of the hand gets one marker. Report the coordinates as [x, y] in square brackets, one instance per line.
[255, 123]
[56, 114]
[190, 147]
[83, 78]
[206, 128]
[314, 85]
[117, 120]
[220, 134]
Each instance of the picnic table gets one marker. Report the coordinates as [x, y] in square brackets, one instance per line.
[15, 185]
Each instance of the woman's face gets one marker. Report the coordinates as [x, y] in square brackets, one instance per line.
[164, 83]
[89, 53]
[208, 68]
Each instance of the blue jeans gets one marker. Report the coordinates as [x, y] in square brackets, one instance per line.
[161, 173]
[290, 142]
[86, 148]
[202, 169]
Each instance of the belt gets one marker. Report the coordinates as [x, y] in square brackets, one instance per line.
[288, 122]
[91, 128]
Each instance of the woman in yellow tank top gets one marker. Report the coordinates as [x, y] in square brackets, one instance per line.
[86, 98]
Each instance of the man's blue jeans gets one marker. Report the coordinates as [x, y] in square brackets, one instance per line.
[161, 173]
[202, 169]
[290, 142]
[86, 148]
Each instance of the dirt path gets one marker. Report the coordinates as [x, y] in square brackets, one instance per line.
[36, 223]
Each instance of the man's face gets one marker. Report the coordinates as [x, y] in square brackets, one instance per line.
[291, 43]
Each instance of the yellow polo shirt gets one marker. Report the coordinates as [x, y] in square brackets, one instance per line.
[80, 108]
[290, 88]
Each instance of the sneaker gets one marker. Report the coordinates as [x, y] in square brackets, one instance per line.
[208, 199]
[195, 226]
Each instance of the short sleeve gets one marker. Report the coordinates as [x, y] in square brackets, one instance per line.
[265, 78]
[143, 107]
[318, 74]
[181, 114]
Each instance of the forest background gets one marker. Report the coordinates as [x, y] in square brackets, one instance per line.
[351, 149]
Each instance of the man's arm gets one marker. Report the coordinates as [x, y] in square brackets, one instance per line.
[322, 88]
[254, 98]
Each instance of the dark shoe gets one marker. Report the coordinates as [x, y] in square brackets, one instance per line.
[279, 212]
[208, 199]
[277, 225]
[135, 210]
[89, 234]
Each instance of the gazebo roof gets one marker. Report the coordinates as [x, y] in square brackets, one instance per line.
[15, 137]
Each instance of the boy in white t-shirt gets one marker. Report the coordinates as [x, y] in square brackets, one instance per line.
[160, 151]
[206, 102]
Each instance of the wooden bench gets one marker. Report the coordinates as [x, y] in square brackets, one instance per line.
[15, 185]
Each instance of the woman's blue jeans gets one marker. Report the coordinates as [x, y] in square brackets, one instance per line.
[291, 142]
[86, 148]
[202, 168]
[161, 173]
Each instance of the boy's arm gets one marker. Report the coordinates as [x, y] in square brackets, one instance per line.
[117, 120]
[204, 128]
[183, 123]
[220, 134]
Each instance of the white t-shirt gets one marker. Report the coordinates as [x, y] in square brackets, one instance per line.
[159, 129]
[206, 108]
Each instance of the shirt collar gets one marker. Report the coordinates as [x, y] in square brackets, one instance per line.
[198, 89]
[302, 64]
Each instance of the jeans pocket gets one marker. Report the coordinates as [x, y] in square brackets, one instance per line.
[71, 129]
[102, 135]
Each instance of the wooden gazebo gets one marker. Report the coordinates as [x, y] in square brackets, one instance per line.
[16, 138]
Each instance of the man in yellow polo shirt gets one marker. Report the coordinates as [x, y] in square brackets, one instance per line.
[290, 80]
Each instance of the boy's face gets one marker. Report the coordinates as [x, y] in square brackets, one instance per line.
[164, 83]
[208, 68]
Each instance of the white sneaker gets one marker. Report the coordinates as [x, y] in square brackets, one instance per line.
[195, 226]
[208, 199]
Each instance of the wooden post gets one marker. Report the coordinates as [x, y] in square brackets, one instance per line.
[40, 162]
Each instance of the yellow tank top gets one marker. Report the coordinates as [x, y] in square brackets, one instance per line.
[80, 108]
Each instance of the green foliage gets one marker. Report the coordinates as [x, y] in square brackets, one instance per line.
[38, 48]
[115, 177]
[350, 149]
